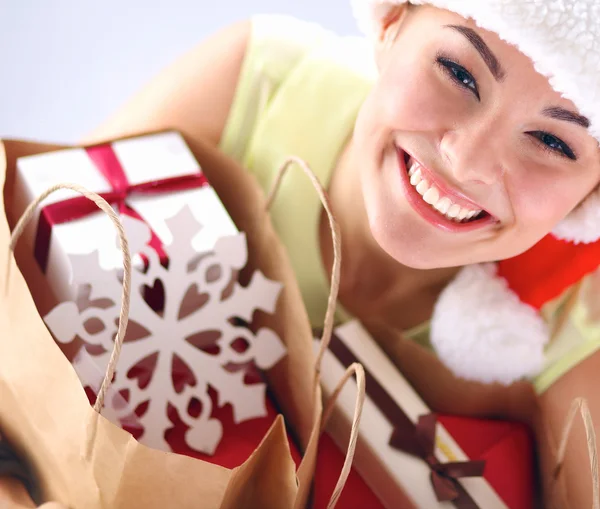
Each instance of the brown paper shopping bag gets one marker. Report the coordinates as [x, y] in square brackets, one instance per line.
[86, 462]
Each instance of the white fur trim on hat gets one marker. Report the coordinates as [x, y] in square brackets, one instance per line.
[562, 38]
[482, 331]
[582, 225]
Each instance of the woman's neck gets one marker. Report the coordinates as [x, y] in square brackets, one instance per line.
[374, 286]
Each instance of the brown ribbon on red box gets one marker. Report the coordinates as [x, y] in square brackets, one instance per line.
[417, 439]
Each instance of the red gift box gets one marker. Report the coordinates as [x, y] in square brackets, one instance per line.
[406, 456]
[507, 448]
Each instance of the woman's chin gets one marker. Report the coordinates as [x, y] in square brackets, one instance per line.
[413, 247]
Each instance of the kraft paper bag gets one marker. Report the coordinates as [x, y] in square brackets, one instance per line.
[84, 461]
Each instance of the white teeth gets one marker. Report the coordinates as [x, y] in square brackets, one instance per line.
[454, 211]
[422, 187]
[443, 205]
[414, 167]
[431, 196]
[415, 178]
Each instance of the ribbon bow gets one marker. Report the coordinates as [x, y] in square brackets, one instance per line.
[419, 441]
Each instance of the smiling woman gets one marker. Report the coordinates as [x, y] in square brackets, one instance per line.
[482, 124]
[459, 142]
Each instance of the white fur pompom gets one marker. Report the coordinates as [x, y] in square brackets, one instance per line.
[582, 225]
[483, 332]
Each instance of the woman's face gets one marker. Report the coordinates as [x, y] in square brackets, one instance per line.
[466, 153]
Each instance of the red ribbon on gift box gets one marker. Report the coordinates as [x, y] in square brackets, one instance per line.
[416, 439]
[107, 163]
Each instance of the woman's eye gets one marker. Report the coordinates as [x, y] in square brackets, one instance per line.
[460, 75]
[554, 144]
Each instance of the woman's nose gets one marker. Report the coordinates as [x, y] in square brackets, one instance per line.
[474, 154]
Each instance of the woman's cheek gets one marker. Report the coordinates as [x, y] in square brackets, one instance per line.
[540, 199]
[417, 100]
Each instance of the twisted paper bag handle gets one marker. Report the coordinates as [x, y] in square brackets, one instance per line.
[356, 368]
[126, 293]
[579, 406]
[125, 296]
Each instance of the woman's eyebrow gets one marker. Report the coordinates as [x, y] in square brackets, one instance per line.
[483, 49]
[559, 113]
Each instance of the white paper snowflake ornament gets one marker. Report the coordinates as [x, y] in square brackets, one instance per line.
[188, 331]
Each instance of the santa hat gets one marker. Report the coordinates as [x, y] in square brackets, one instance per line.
[486, 324]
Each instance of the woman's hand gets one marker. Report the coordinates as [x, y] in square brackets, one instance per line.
[573, 487]
[13, 494]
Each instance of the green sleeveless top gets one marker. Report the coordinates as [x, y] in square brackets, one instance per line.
[299, 93]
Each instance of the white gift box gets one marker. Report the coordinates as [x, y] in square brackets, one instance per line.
[391, 474]
[144, 159]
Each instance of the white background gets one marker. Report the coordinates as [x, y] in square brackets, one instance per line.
[68, 64]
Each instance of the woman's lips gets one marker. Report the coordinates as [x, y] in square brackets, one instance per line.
[460, 205]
